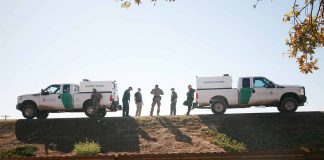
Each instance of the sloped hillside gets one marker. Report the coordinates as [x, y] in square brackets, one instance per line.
[167, 134]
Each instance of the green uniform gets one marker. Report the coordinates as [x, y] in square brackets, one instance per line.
[174, 98]
[157, 92]
[190, 99]
[95, 97]
[126, 98]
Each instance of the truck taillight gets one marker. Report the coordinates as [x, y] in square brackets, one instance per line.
[197, 97]
[111, 98]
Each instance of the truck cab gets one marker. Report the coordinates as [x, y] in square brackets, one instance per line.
[254, 91]
[58, 97]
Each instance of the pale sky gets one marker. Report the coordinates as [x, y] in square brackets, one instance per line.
[58, 41]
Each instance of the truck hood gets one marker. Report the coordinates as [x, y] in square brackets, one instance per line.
[25, 95]
[290, 86]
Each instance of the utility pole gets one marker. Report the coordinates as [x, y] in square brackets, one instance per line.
[5, 116]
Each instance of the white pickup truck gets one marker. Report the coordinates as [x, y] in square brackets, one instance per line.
[69, 98]
[218, 94]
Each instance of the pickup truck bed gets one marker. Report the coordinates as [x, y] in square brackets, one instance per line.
[205, 95]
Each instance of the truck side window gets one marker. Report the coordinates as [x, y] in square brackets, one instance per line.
[66, 88]
[260, 83]
[76, 89]
[246, 83]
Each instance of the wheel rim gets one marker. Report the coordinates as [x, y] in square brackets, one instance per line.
[218, 107]
[289, 105]
[29, 111]
[90, 109]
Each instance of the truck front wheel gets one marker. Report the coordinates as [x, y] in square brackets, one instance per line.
[280, 109]
[218, 107]
[29, 111]
[289, 105]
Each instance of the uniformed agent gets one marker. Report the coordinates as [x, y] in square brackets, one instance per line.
[190, 98]
[157, 92]
[138, 102]
[174, 98]
[96, 97]
[126, 99]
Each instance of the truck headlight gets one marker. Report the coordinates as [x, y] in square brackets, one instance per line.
[19, 98]
[302, 91]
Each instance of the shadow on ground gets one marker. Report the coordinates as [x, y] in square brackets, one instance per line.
[258, 131]
[179, 135]
[113, 134]
[271, 131]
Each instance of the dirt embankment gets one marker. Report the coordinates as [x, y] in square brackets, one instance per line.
[258, 132]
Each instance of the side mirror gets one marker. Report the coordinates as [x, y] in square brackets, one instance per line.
[44, 92]
[271, 85]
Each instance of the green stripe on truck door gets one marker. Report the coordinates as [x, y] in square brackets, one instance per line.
[67, 100]
[245, 95]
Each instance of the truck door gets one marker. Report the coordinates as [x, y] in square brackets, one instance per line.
[245, 92]
[50, 98]
[67, 97]
[263, 92]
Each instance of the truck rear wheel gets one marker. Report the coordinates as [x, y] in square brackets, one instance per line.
[280, 109]
[89, 109]
[289, 105]
[218, 107]
[42, 115]
[102, 113]
[29, 111]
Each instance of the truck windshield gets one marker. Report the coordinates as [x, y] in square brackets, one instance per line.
[53, 89]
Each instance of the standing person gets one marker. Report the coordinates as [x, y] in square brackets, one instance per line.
[174, 98]
[126, 99]
[190, 98]
[157, 92]
[96, 97]
[139, 102]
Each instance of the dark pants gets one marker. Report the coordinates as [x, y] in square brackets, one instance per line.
[173, 108]
[125, 108]
[96, 105]
[189, 104]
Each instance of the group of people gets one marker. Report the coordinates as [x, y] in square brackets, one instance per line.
[157, 96]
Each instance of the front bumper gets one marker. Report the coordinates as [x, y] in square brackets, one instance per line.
[18, 106]
[302, 100]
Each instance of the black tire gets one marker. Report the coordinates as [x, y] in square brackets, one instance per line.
[102, 113]
[289, 105]
[280, 109]
[89, 109]
[29, 111]
[42, 115]
[120, 107]
[218, 107]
